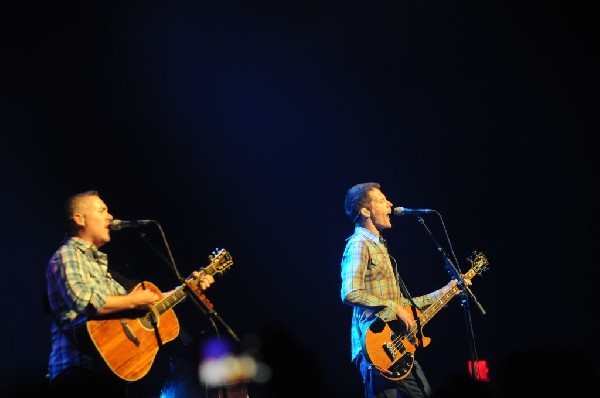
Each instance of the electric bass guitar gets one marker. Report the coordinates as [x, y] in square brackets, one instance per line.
[390, 348]
[127, 342]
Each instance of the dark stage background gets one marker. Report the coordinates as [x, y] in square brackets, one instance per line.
[242, 124]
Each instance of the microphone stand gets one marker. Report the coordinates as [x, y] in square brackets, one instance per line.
[200, 303]
[208, 310]
[194, 293]
[455, 273]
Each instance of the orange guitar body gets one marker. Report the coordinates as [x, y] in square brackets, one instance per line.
[129, 345]
[391, 349]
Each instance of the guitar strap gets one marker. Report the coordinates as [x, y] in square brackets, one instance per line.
[127, 283]
[406, 294]
[401, 284]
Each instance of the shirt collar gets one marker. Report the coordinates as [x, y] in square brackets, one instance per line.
[367, 234]
[86, 246]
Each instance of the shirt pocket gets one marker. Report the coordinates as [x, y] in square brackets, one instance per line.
[378, 267]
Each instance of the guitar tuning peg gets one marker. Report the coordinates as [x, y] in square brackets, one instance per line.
[473, 254]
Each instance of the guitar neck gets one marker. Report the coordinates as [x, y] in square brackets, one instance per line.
[171, 300]
[438, 305]
[176, 297]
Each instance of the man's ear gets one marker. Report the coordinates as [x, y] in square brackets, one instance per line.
[79, 219]
[365, 212]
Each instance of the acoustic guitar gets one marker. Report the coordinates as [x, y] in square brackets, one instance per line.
[127, 342]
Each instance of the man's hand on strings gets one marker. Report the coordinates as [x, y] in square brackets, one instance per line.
[405, 316]
[142, 298]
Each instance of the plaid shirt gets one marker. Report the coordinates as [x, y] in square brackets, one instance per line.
[369, 284]
[78, 284]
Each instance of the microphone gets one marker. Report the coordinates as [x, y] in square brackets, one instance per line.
[400, 211]
[116, 225]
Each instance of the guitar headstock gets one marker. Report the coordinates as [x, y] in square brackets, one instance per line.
[220, 261]
[479, 263]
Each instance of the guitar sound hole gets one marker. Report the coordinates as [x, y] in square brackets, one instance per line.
[146, 321]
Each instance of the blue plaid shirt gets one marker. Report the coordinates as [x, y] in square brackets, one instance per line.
[369, 284]
[78, 284]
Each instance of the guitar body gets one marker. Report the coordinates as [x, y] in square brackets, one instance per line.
[390, 348]
[129, 346]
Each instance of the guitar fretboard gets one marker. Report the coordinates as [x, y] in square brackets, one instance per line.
[172, 300]
[178, 295]
[480, 264]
